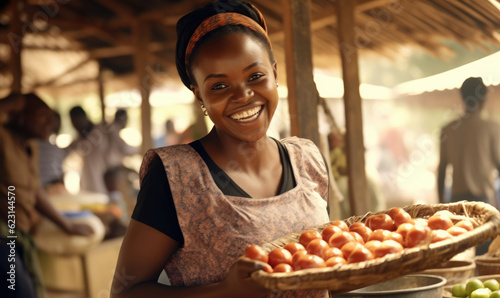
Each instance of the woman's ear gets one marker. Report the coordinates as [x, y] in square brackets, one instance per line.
[196, 92]
[275, 70]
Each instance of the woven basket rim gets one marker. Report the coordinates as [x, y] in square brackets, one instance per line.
[348, 277]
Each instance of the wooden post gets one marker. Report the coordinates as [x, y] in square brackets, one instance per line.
[141, 62]
[100, 83]
[358, 191]
[302, 93]
[15, 37]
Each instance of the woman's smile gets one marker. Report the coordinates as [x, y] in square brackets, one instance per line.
[247, 115]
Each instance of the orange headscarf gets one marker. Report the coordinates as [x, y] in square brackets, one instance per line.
[224, 19]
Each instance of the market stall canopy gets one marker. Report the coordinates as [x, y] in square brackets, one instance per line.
[66, 42]
[487, 68]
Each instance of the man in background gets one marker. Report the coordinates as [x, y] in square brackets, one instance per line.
[471, 145]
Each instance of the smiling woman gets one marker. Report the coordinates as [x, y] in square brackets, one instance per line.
[202, 204]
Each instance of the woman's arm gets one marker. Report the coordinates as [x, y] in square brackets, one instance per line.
[143, 255]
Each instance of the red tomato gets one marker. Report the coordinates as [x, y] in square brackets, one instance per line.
[357, 237]
[294, 247]
[380, 221]
[372, 245]
[256, 252]
[279, 255]
[361, 229]
[360, 254]
[317, 247]
[440, 235]
[329, 231]
[400, 216]
[341, 224]
[387, 247]
[307, 236]
[403, 229]
[455, 231]
[339, 239]
[420, 221]
[466, 224]
[333, 261]
[396, 237]
[296, 255]
[349, 247]
[439, 222]
[283, 268]
[418, 235]
[332, 252]
[309, 261]
[379, 235]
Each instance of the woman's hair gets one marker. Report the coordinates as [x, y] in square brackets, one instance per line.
[188, 24]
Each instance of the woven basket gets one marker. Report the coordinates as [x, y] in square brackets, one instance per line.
[357, 275]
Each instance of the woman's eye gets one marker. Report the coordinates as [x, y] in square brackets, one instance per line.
[218, 86]
[255, 76]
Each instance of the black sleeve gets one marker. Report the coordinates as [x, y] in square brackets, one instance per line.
[155, 205]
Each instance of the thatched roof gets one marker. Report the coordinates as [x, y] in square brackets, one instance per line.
[65, 42]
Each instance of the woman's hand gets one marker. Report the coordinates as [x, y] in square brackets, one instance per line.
[238, 283]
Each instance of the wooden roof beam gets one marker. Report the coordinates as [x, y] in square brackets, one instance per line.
[118, 7]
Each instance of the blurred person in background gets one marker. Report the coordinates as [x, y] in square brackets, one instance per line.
[51, 160]
[471, 145]
[23, 200]
[99, 146]
[118, 148]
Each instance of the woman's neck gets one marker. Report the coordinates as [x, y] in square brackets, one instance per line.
[230, 153]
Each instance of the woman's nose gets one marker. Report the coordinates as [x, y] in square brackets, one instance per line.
[243, 93]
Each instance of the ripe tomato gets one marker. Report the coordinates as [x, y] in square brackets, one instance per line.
[379, 235]
[294, 247]
[400, 216]
[403, 229]
[418, 235]
[341, 224]
[309, 261]
[455, 231]
[339, 239]
[317, 247]
[333, 261]
[357, 237]
[361, 229]
[380, 221]
[256, 252]
[332, 252]
[360, 254]
[349, 247]
[387, 247]
[329, 231]
[307, 236]
[440, 235]
[296, 255]
[466, 224]
[439, 222]
[420, 221]
[396, 237]
[279, 255]
[372, 245]
[283, 268]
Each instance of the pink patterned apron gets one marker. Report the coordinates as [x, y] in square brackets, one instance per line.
[217, 228]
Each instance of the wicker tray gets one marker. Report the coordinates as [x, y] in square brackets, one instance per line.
[353, 276]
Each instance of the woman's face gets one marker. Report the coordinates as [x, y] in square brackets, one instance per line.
[236, 81]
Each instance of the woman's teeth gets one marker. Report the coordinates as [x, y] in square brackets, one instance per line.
[247, 115]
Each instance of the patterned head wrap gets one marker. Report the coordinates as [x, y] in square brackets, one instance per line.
[221, 20]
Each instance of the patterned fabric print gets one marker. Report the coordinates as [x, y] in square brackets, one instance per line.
[218, 228]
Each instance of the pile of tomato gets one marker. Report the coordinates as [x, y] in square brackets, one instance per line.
[380, 235]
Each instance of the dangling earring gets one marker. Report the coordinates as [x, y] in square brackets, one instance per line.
[277, 84]
[204, 110]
